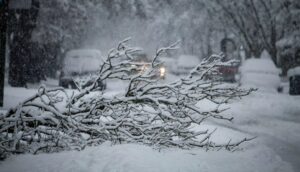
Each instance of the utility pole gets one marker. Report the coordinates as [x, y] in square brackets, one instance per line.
[3, 27]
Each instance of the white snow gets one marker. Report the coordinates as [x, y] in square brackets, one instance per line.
[261, 73]
[185, 63]
[206, 105]
[273, 118]
[188, 61]
[292, 40]
[293, 71]
[13, 96]
[137, 158]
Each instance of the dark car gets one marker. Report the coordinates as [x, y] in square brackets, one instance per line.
[294, 75]
[142, 63]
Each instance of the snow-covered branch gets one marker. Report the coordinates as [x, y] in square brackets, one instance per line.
[148, 112]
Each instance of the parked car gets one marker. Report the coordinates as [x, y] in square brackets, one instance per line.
[294, 75]
[80, 63]
[294, 79]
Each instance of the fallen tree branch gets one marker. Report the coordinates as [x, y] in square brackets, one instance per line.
[148, 112]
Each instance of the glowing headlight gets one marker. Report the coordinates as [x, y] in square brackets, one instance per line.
[144, 68]
[162, 71]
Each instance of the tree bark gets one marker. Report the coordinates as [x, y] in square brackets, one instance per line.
[3, 27]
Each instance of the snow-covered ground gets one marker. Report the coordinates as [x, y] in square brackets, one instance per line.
[137, 158]
[274, 118]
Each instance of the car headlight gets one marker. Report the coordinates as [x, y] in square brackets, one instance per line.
[162, 71]
[144, 68]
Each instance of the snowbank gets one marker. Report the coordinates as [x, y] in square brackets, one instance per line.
[13, 96]
[137, 158]
[293, 71]
[261, 73]
[263, 65]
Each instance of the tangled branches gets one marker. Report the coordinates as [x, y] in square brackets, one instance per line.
[147, 112]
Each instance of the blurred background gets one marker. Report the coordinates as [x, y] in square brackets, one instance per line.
[39, 33]
[52, 42]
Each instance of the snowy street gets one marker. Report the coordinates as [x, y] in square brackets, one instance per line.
[150, 86]
[273, 118]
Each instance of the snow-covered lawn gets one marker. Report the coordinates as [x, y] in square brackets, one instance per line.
[273, 118]
[137, 158]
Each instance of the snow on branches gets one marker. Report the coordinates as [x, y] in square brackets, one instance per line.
[147, 112]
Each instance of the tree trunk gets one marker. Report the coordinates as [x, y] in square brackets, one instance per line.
[3, 27]
[273, 50]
